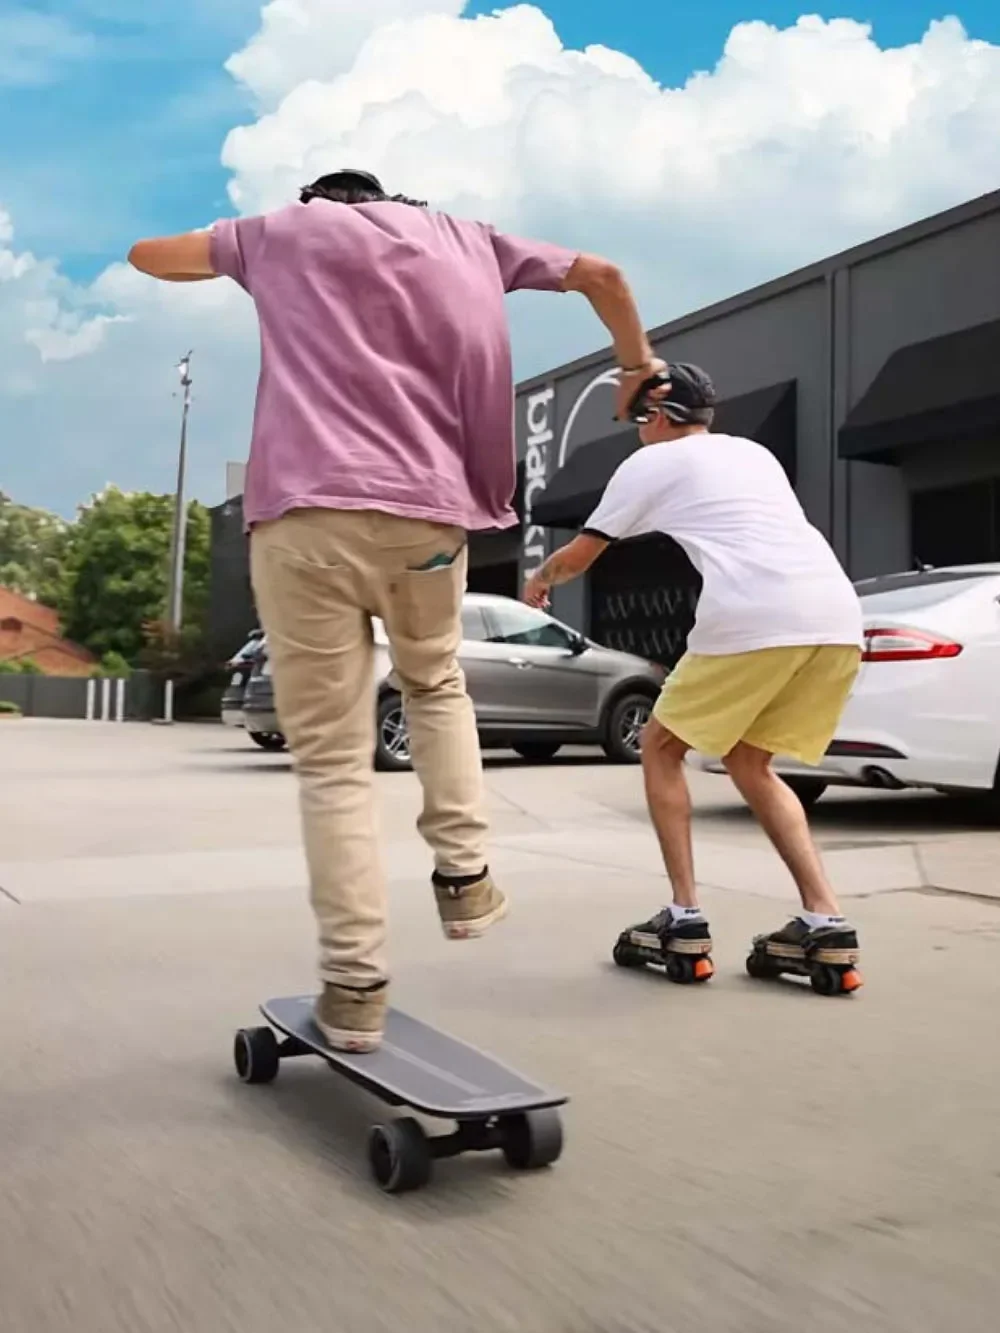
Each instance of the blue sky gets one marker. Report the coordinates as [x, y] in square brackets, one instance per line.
[798, 139]
[122, 137]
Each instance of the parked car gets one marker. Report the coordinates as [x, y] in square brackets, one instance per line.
[535, 684]
[925, 710]
[240, 665]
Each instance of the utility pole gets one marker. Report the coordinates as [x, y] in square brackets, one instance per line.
[175, 600]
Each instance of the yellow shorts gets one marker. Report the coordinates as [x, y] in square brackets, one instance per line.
[787, 701]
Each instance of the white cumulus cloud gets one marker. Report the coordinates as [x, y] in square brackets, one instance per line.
[799, 142]
[301, 40]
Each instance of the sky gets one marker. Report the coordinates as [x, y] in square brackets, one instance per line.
[705, 155]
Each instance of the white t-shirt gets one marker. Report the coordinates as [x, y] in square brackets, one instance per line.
[770, 579]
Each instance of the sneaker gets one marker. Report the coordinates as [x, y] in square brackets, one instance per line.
[468, 907]
[352, 1018]
[682, 948]
[662, 934]
[797, 942]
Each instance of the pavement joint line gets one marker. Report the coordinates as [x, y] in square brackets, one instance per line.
[13, 898]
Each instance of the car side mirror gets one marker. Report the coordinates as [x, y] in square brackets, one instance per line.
[578, 645]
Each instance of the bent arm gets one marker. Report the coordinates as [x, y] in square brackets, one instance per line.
[605, 287]
[186, 258]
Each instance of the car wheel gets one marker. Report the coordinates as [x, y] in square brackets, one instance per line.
[623, 728]
[268, 740]
[808, 790]
[537, 752]
[392, 739]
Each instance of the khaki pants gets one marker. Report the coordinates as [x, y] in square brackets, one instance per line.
[319, 575]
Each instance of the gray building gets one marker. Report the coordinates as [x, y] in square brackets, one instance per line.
[873, 376]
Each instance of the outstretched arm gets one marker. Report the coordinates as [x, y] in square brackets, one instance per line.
[186, 258]
[568, 563]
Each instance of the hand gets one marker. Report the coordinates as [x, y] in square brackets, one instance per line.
[536, 592]
[629, 381]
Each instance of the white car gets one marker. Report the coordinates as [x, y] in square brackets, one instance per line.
[925, 710]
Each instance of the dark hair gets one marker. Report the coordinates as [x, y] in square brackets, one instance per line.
[353, 187]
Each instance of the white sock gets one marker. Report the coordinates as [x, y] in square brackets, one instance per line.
[818, 920]
[685, 913]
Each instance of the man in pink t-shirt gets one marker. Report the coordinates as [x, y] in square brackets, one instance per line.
[383, 435]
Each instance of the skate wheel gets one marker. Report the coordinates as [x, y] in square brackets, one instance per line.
[625, 956]
[825, 980]
[399, 1156]
[532, 1140]
[684, 969]
[256, 1055]
[851, 980]
[758, 967]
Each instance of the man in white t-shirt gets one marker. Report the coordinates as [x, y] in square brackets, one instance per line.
[770, 662]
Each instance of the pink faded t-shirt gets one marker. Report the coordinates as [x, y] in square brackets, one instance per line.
[386, 380]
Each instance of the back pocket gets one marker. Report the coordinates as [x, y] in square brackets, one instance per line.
[427, 603]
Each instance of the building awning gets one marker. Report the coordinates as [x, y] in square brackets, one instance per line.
[943, 389]
[766, 415]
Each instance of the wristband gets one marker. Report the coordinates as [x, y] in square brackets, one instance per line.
[644, 365]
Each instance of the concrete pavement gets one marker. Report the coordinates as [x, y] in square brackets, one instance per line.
[740, 1158]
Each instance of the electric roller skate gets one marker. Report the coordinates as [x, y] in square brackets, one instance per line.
[682, 948]
[828, 956]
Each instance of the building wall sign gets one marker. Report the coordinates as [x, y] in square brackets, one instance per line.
[539, 411]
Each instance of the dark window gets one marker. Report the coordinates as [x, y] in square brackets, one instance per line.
[957, 525]
[11, 624]
[473, 624]
[643, 596]
[524, 625]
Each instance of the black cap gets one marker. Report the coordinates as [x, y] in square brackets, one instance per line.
[692, 394]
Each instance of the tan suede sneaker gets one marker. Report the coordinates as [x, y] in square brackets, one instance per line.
[468, 909]
[352, 1019]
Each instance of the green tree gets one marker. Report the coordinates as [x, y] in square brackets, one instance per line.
[116, 571]
[20, 666]
[112, 664]
[32, 550]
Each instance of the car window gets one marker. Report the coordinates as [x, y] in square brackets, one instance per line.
[518, 624]
[473, 624]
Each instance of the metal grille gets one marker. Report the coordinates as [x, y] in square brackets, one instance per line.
[643, 597]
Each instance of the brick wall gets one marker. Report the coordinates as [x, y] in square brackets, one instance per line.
[28, 629]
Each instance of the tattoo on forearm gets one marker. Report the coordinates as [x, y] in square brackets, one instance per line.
[555, 570]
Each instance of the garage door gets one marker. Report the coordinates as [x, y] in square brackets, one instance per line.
[643, 595]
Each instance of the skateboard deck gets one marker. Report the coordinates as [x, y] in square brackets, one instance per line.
[418, 1066]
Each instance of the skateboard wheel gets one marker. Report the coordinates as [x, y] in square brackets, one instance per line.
[532, 1140]
[399, 1156]
[758, 967]
[625, 956]
[256, 1056]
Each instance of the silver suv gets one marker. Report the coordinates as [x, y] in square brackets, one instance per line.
[535, 684]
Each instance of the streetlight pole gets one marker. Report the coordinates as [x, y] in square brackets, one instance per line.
[175, 600]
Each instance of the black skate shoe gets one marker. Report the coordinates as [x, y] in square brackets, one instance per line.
[828, 956]
[683, 948]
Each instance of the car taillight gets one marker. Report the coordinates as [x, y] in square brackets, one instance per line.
[906, 645]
